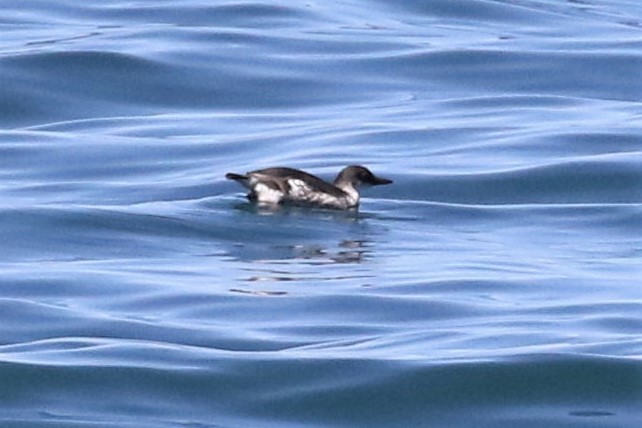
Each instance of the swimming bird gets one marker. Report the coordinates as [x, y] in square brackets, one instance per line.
[288, 185]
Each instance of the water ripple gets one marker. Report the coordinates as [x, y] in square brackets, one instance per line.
[496, 281]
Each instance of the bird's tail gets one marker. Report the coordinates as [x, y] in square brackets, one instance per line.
[234, 176]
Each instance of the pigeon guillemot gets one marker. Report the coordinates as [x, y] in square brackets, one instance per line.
[289, 185]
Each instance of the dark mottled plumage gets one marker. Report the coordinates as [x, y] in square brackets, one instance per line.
[280, 184]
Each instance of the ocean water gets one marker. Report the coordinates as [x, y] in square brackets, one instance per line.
[496, 283]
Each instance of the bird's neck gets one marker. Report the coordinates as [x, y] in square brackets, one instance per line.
[349, 189]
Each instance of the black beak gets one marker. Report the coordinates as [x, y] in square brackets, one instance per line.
[378, 181]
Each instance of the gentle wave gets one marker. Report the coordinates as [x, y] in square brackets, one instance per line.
[494, 283]
[342, 392]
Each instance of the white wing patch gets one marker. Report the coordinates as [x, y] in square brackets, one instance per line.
[300, 191]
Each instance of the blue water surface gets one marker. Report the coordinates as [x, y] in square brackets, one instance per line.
[496, 283]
